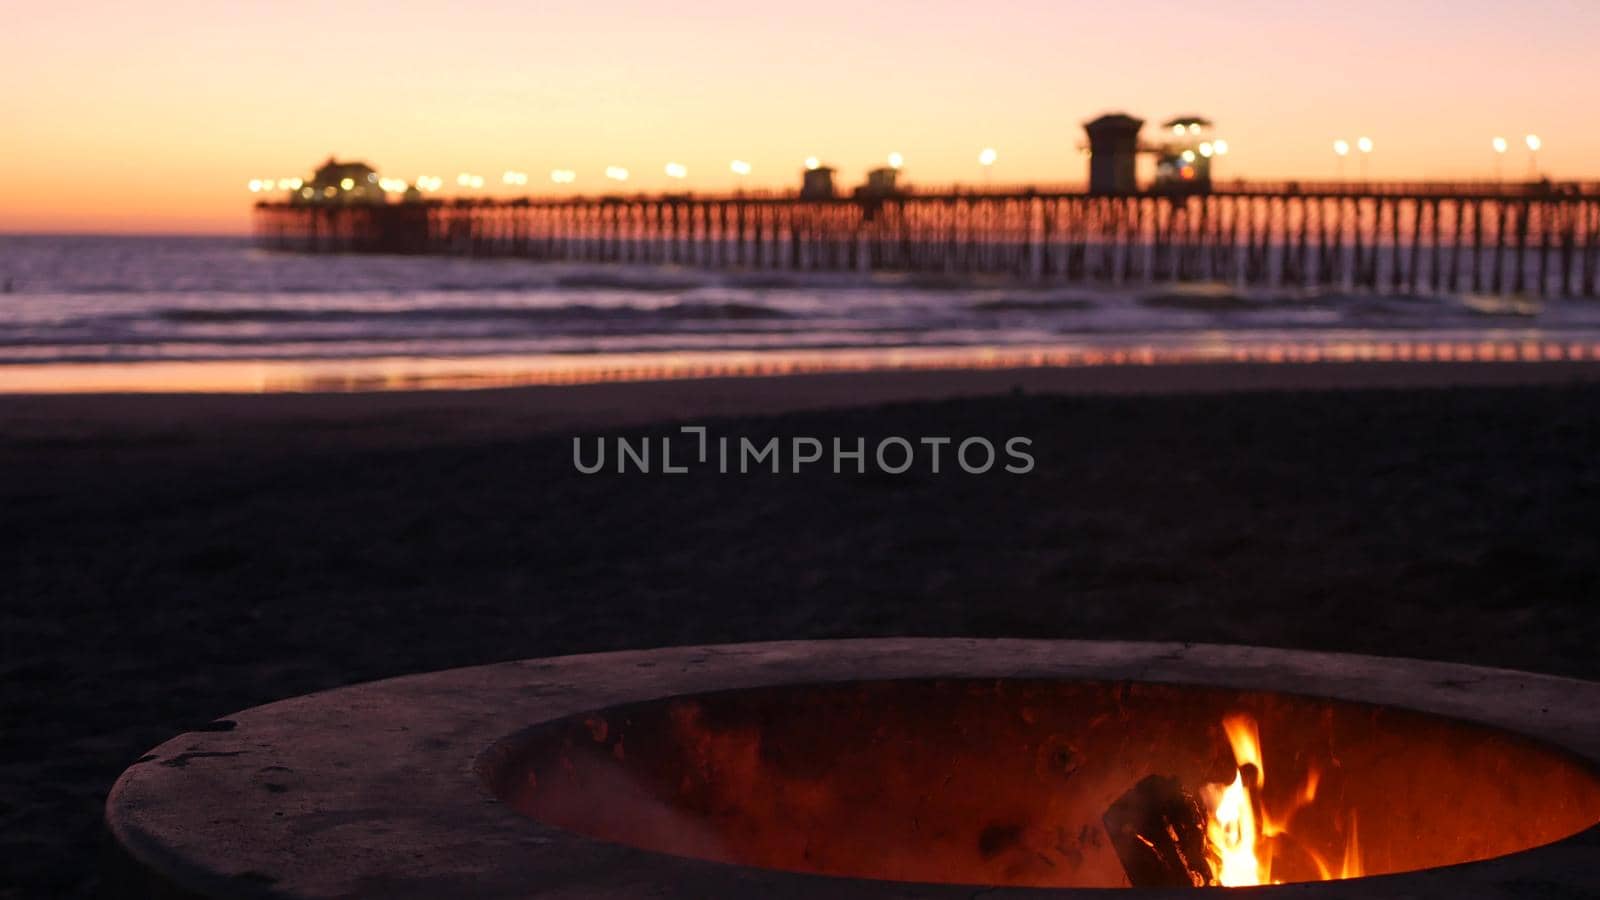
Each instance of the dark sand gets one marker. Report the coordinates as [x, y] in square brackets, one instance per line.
[168, 560]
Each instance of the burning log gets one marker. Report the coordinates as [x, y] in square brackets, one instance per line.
[1159, 832]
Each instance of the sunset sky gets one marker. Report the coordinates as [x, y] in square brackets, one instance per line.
[153, 117]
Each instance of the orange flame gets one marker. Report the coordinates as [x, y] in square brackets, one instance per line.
[1232, 833]
[1241, 832]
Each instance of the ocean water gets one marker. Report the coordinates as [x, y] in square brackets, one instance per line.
[80, 300]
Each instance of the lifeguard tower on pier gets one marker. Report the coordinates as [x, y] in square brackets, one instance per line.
[882, 182]
[1113, 148]
[816, 182]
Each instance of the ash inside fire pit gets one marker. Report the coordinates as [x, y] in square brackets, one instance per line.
[1029, 782]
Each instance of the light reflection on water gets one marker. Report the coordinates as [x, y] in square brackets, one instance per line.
[187, 314]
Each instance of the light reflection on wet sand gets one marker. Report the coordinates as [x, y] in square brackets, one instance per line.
[413, 373]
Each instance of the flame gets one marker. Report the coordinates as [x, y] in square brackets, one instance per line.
[1241, 833]
[1232, 834]
[1351, 867]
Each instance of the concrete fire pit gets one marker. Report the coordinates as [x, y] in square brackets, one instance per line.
[863, 769]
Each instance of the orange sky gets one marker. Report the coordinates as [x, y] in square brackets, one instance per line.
[134, 117]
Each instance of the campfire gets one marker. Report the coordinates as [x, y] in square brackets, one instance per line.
[1244, 836]
[1164, 837]
[1048, 784]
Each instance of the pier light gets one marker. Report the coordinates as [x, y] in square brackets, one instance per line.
[307, 193]
[812, 163]
[1206, 149]
[1364, 144]
[563, 176]
[1178, 129]
[677, 170]
[1500, 146]
[1188, 156]
[1341, 147]
[1533, 142]
[346, 184]
[255, 185]
[512, 176]
[1220, 147]
[739, 167]
[1194, 127]
[896, 160]
[616, 173]
[987, 156]
[429, 182]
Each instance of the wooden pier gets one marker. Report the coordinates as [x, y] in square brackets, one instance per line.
[1525, 239]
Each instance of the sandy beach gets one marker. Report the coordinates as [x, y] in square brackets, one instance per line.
[173, 558]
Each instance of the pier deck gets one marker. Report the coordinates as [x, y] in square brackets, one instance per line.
[1531, 239]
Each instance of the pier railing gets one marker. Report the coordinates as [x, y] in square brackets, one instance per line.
[1484, 237]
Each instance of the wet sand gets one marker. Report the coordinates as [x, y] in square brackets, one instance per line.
[405, 418]
[171, 559]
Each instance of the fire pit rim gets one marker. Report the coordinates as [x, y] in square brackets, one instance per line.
[314, 787]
